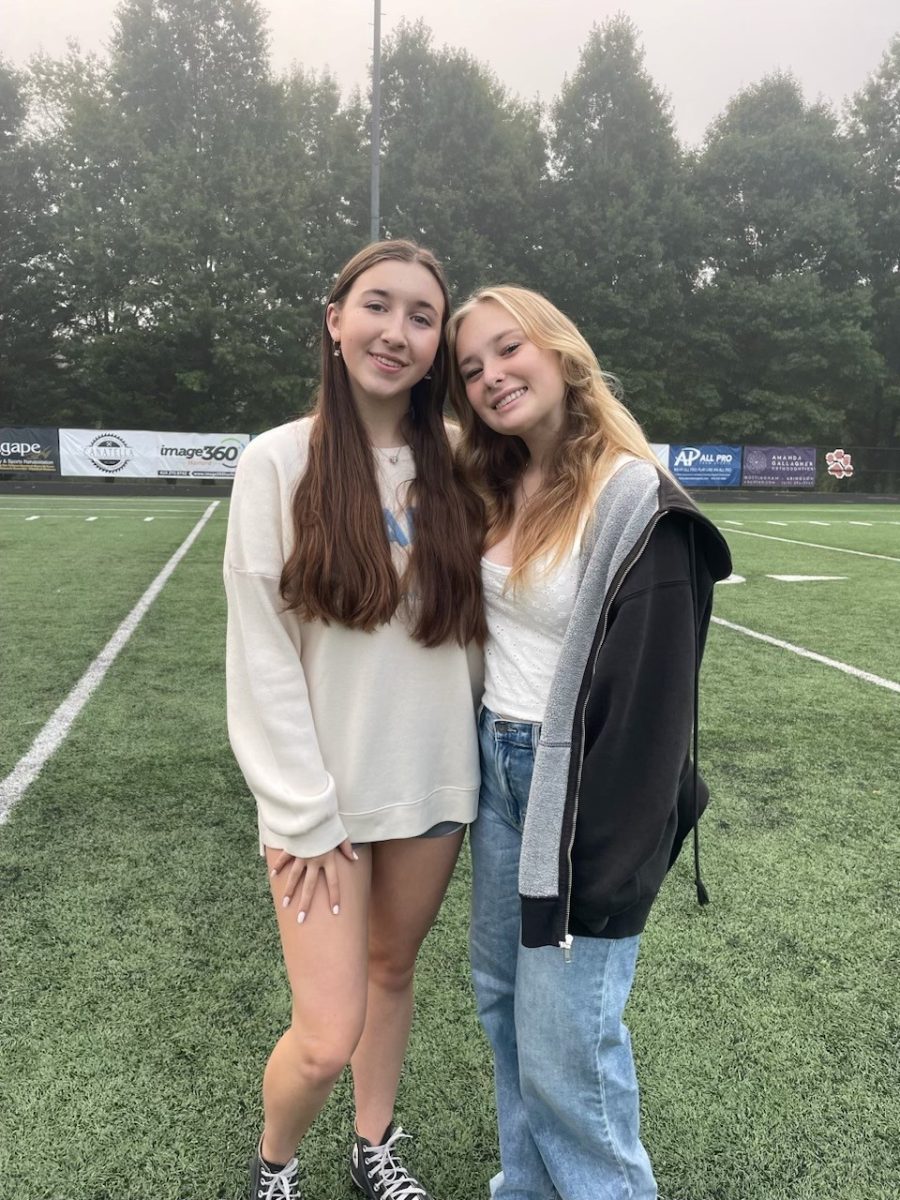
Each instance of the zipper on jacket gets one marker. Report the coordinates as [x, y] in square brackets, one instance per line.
[566, 945]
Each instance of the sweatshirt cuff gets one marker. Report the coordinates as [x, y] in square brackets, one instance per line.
[327, 835]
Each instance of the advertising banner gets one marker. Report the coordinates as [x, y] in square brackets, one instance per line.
[29, 450]
[138, 454]
[661, 450]
[779, 466]
[706, 466]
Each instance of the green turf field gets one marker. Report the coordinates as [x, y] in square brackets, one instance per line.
[140, 979]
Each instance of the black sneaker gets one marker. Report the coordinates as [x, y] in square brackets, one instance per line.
[266, 1184]
[379, 1174]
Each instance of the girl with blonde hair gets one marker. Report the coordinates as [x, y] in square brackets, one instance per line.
[598, 575]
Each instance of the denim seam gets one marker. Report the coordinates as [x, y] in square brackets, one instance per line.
[600, 1076]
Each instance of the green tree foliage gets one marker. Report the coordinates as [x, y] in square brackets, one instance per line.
[874, 127]
[463, 161]
[192, 202]
[31, 306]
[620, 233]
[173, 216]
[779, 343]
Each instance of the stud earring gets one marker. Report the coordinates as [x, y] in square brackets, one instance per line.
[428, 375]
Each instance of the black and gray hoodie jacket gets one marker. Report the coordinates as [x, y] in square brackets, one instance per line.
[614, 791]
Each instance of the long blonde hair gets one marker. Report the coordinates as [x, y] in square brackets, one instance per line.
[597, 429]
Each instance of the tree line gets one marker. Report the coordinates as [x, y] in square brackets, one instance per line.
[174, 214]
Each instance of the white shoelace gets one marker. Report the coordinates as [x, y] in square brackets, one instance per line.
[397, 1182]
[278, 1185]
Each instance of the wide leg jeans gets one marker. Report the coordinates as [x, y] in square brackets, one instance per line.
[567, 1095]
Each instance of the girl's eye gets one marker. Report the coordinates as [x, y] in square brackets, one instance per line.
[511, 348]
[468, 376]
[376, 306]
[421, 319]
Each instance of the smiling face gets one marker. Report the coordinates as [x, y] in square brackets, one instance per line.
[514, 386]
[389, 329]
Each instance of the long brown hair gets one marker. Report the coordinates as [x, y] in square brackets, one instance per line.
[597, 429]
[341, 568]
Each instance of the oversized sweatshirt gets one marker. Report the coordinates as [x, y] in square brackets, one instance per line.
[339, 733]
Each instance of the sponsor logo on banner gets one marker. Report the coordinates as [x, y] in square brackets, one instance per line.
[109, 452]
[706, 466]
[213, 458]
[840, 464]
[779, 466]
[29, 450]
[142, 454]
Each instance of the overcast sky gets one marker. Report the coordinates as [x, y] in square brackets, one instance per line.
[699, 51]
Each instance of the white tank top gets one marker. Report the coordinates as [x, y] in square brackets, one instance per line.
[526, 627]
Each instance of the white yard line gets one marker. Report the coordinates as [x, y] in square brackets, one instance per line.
[54, 733]
[774, 537]
[98, 508]
[866, 676]
[805, 578]
[184, 517]
[11, 498]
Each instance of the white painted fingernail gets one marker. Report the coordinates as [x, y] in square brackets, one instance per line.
[355, 856]
[285, 902]
[336, 909]
[301, 917]
[273, 872]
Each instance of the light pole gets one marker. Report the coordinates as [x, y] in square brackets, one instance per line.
[375, 215]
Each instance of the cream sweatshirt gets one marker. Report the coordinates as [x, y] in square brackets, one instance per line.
[339, 733]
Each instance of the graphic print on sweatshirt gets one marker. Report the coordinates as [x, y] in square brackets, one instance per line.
[397, 535]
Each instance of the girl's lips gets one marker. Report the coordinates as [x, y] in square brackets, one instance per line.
[509, 399]
[391, 365]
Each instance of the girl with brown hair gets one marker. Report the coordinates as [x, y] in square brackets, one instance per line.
[598, 574]
[354, 602]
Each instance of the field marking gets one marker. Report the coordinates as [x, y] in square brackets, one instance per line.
[774, 537]
[34, 518]
[100, 508]
[56, 730]
[179, 516]
[12, 498]
[149, 519]
[866, 676]
[756, 520]
[733, 579]
[847, 506]
[805, 578]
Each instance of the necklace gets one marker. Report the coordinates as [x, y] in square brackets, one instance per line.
[393, 456]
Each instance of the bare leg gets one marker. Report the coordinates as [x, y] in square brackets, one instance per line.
[409, 879]
[326, 960]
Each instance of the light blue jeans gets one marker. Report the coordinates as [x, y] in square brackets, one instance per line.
[567, 1095]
